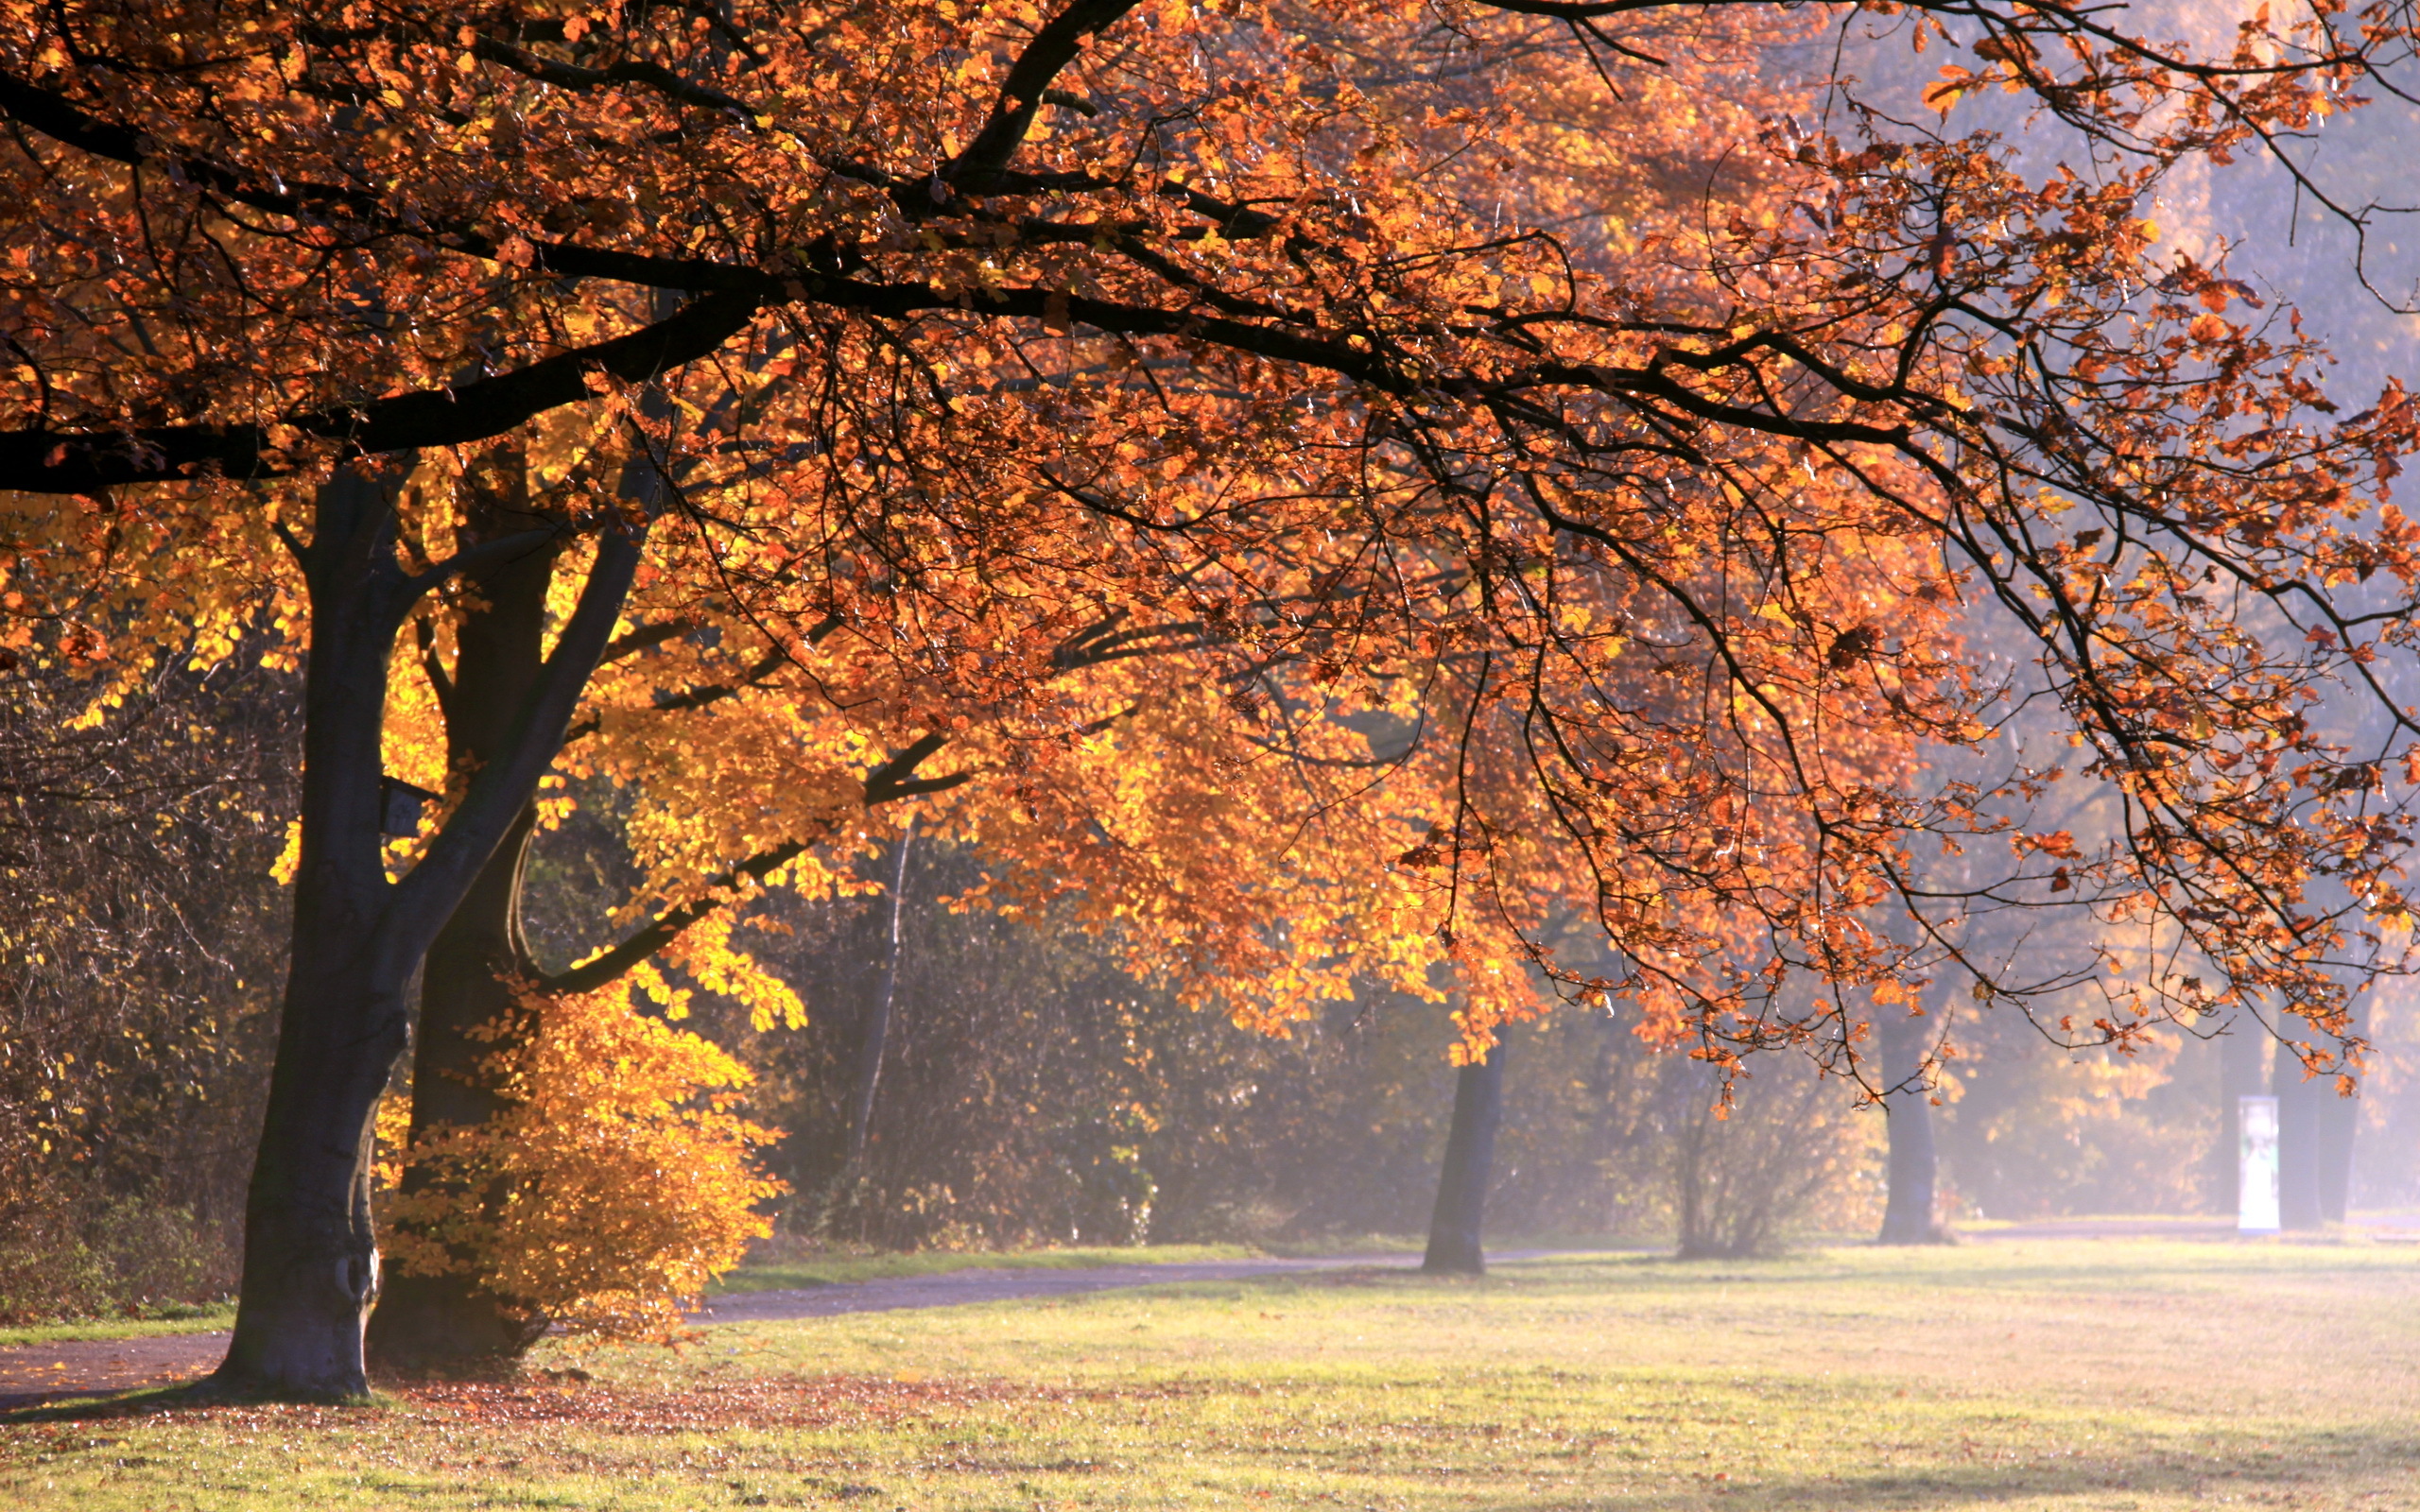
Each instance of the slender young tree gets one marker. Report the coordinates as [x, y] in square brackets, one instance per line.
[876, 1036]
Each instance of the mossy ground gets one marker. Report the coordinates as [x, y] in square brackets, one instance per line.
[2062, 1375]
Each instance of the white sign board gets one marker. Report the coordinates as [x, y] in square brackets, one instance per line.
[2257, 1165]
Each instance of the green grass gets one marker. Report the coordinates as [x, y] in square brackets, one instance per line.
[2092, 1376]
[207, 1318]
[803, 1267]
[835, 1267]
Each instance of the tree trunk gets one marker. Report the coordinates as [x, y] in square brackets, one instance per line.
[878, 1035]
[310, 1255]
[1908, 1215]
[449, 1324]
[2243, 1072]
[310, 1258]
[2337, 1120]
[1454, 1229]
[2298, 1125]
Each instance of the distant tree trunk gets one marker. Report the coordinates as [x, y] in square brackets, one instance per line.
[2243, 1072]
[2298, 1135]
[449, 1324]
[2338, 1118]
[1454, 1229]
[1908, 1215]
[878, 1035]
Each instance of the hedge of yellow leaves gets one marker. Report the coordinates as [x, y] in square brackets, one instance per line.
[619, 1180]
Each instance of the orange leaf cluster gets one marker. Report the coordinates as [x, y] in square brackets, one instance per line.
[1329, 484]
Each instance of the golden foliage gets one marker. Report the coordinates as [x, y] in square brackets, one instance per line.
[620, 1180]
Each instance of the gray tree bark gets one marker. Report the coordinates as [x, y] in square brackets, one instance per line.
[2298, 1129]
[1908, 1215]
[1453, 1227]
[2338, 1119]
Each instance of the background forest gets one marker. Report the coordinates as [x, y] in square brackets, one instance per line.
[1030, 1093]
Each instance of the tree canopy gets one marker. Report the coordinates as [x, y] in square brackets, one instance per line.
[1531, 351]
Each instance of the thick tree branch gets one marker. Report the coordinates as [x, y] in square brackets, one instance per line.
[645, 639]
[629, 71]
[896, 778]
[893, 779]
[1028, 80]
[609, 965]
[472, 560]
[425, 898]
[47, 461]
[44, 461]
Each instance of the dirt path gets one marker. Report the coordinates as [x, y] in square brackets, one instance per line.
[33, 1374]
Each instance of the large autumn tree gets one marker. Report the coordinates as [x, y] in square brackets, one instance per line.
[1533, 551]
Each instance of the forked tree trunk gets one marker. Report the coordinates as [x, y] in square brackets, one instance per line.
[310, 1256]
[450, 1324]
[1915, 1167]
[1453, 1227]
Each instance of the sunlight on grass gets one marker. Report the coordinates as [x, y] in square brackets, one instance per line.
[2068, 1375]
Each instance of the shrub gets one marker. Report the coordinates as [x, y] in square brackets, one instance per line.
[619, 1182]
[122, 1256]
[1782, 1158]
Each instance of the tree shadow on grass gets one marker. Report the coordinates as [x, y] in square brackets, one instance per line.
[86, 1405]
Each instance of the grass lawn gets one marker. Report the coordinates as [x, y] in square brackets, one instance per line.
[206, 1318]
[2061, 1375]
[828, 1268]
